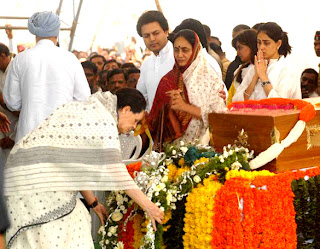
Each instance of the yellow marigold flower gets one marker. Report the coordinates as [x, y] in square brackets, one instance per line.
[250, 175]
[199, 212]
[181, 162]
[180, 171]
[172, 172]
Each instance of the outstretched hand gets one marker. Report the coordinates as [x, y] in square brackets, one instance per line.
[101, 212]
[155, 214]
[4, 123]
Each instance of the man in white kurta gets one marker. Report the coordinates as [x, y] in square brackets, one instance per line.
[152, 70]
[44, 77]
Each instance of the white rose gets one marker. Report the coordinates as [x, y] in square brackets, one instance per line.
[197, 179]
[107, 242]
[120, 245]
[101, 230]
[225, 154]
[184, 149]
[236, 166]
[109, 234]
[116, 216]
[122, 207]
[119, 199]
[162, 209]
[169, 196]
[164, 179]
[113, 229]
[181, 143]
[174, 152]
[125, 199]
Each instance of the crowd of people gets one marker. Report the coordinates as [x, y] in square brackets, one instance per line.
[65, 111]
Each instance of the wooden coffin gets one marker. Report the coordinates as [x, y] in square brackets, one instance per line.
[262, 131]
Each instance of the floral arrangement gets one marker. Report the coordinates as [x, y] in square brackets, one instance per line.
[211, 200]
[307, 112]
[167, 183]
[199, 213]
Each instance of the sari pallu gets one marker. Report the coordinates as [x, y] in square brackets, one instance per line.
[200, 87]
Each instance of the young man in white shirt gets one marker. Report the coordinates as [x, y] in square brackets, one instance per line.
[44, 77]
[153, 27]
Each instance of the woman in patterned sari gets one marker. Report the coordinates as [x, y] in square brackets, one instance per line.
[76, 149]
[185, 95]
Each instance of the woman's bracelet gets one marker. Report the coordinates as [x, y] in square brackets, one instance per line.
[247, 94]
[94, 204]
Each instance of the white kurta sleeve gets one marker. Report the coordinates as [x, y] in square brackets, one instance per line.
[141, 85]
[239, 94]
[81, 86]
[12, 91]
[13, 46]
[286, 86]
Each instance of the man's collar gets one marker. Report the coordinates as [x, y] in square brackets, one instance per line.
[164, 50]
[45, 41]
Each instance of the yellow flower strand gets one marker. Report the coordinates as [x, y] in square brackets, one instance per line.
[199, 212]
[250, 175]
[138, 235]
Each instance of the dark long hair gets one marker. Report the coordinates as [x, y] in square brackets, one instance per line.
[275, 32]
[247, 37]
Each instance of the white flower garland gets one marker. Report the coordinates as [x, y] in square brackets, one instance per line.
[275, 149]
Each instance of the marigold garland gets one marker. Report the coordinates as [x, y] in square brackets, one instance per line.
[133, 167]
[138, 235]
[254, 212]
[199, 206]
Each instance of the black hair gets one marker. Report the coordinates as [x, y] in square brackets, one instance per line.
[133, 70]
[311, 70]
[275, 32]
[249, 38]
[240, 27]
[152, 16]
[216, 48]
[127, 65]
[98, 56]
[110, 61]
[216, 38]
[197, 27]
[4, 49]
[188, 34]
[90, 65]
[130, 97]
[116, 71]
[207, 30]
[257, 26]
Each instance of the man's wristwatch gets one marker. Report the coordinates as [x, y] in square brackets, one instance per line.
[94, 204]
[264, 83]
